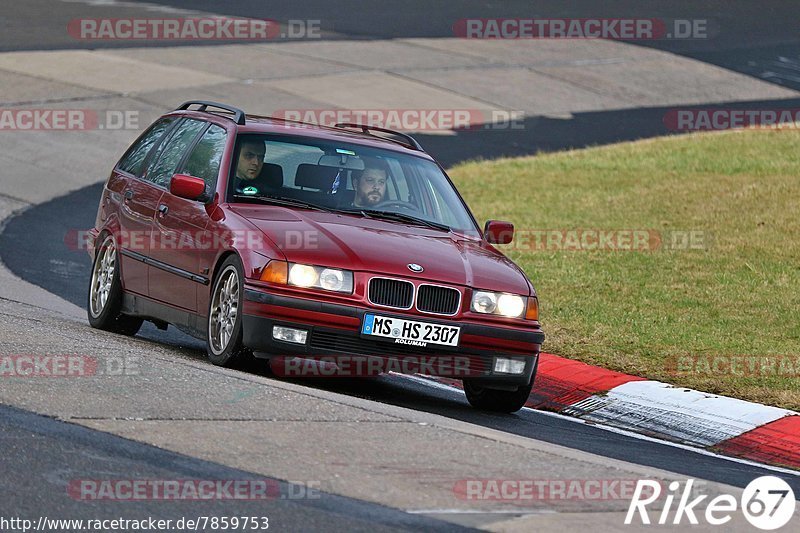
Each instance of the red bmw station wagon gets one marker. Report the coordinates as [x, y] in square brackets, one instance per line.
[292, 241]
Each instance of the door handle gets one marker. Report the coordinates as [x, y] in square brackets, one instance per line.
[163, 210]
[128, 194]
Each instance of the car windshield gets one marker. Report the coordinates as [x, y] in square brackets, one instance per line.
[365, 181]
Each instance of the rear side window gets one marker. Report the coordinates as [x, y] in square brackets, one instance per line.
[160, 173]
[133, 160]
[206, 157]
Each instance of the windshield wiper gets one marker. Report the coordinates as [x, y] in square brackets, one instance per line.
[369, 213]
[282, 201]
[401, 217]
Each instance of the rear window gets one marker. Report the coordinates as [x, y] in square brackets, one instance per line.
[290, 156]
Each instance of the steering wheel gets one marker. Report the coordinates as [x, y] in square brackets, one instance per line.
[396, 203]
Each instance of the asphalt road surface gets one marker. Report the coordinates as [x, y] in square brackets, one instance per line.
[65, 453]
[755, 38]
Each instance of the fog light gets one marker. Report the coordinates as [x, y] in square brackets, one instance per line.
[509, 366]
[297, 336]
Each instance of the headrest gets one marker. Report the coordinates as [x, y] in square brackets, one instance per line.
[271, 176]
[315, 176]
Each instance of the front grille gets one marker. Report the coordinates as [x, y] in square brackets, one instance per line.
[439, 300]
[391, 293]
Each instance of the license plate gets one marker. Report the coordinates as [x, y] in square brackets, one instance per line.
[410, 332]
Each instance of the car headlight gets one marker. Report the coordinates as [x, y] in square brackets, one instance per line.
[498, 303]
[484, 302]
[510, 305]
[302, 275]
[329, 279]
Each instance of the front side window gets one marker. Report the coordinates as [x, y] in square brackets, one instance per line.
[160, 170]
[133, 160]
[346, 177]
[206, 157]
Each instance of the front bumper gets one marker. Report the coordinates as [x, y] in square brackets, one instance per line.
[334, 331]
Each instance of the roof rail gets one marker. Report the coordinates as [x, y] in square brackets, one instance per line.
[411, 141]
[238, 114]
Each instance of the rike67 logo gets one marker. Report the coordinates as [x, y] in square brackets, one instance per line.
[767, 503]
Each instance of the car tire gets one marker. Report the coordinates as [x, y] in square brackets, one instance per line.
[499, 401]
[224, 324]
[104, 302]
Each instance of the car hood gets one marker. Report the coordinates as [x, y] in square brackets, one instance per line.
[387, 247]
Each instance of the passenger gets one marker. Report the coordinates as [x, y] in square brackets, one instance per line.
[248, 168]
[370, 183]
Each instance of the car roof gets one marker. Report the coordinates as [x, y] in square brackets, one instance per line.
[272, 125]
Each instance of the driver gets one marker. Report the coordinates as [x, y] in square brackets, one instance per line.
[248, 168]
[370, 183]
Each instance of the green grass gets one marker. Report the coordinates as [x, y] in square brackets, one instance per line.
[637, 311]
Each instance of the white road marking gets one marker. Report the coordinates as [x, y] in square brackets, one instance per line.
[478, 511]
[619, 431]
[136, 5]
[687, 415]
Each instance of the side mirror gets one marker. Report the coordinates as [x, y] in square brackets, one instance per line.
[186, 186]
[498, 232]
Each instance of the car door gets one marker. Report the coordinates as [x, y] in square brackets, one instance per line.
[205, 161]
[136, 203]
[173, 272]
